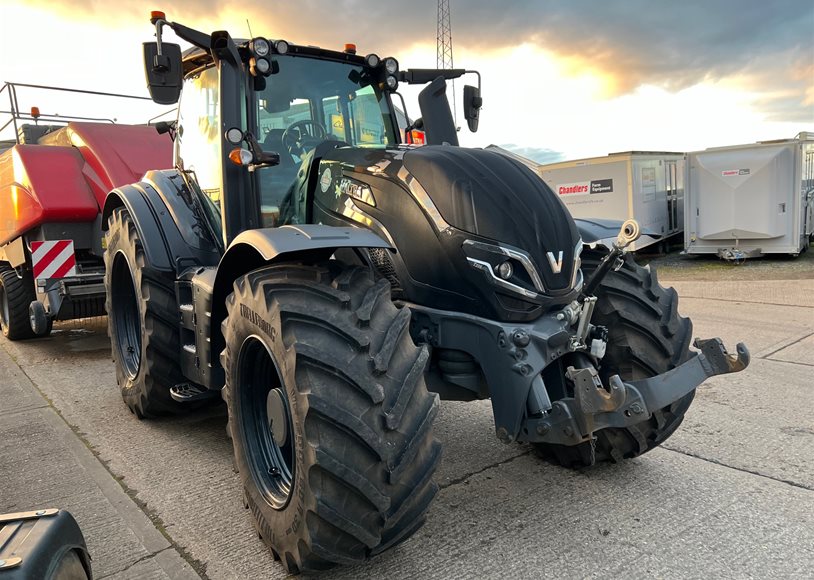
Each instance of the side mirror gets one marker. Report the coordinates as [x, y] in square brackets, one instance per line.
[163, 72]
[472, 104]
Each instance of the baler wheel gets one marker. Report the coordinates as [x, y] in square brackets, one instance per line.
[15, 296]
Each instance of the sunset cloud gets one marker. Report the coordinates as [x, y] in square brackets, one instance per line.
[560, 78]
[670, 44]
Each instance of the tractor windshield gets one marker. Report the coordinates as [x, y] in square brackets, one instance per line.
[309, 101]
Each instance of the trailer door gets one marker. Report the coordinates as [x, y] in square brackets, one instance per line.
[807, 188]
[671, 181]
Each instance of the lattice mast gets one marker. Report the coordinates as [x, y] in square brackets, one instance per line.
[444, 47]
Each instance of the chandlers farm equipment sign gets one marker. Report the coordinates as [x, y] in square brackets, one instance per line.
[586, 187]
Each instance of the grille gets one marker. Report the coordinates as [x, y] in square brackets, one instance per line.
[384, 265]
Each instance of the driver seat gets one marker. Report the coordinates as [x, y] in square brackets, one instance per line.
[274, 142]
[275, 182]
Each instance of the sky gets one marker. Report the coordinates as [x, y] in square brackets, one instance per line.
[561, 79]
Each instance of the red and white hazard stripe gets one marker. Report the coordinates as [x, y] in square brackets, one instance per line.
[53, 259]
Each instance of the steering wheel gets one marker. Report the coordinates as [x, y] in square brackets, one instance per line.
[298, 138]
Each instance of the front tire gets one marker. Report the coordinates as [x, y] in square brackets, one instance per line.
[142, 321]
[323, 351]
[646, 337]
[16, 294]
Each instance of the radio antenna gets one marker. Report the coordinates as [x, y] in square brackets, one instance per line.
[250, 28]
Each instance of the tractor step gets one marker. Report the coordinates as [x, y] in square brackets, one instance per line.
[189, 393]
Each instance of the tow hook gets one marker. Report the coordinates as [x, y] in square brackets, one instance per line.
[591, 396]
[720, 361]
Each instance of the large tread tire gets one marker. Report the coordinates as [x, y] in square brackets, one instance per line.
[16, 294]
[647, 337]
[360, 412]
[145, 384]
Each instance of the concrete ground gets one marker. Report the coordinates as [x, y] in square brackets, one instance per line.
[730, 495]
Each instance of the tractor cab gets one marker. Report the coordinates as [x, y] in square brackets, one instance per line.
[313, 102]
[294, 103]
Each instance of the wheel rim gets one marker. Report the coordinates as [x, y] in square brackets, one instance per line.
[268, 444]
[126, 317]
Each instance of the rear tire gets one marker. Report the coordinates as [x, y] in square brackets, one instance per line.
[647, 337]
[16, 294]
[142, 321]
[329, 415]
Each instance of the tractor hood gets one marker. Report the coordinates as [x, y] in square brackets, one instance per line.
[455, 216]
[493, 196]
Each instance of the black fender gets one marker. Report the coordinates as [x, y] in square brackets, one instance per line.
[171, 230]
[46, 543]
[603, 232]
[254, 249]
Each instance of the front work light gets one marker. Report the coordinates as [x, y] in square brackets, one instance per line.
[391, 82]
[260, 46]
[262, 65]
[372, 60]
[281, 46]
[259, 66]
[391, 65]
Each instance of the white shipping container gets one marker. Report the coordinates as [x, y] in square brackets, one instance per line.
[749, 200]
[642, 185]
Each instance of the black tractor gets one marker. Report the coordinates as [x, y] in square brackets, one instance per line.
[331, 282]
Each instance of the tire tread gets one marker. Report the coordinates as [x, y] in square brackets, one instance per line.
[647, 336]
[349, 347]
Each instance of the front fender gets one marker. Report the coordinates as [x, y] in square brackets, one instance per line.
[254, 249]
[272, 243]
[173, 234]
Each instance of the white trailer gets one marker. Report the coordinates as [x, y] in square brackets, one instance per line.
[647, 186]
[750, 200]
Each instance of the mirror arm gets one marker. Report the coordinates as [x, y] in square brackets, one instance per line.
[199, 39]
[159, 23]
[161, 63]
[476, 73]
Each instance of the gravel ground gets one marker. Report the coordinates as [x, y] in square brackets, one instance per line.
[674, 266]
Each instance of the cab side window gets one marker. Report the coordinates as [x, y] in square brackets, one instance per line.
[198, 140]
[366, 118]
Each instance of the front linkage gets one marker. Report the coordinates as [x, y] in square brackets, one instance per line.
[593, 407]
[513, 358]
